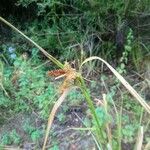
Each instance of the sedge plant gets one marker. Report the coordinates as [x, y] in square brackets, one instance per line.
[73, 78]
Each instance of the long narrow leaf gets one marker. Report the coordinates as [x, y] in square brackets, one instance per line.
[52, 115]
[138, 145]
[123, 81]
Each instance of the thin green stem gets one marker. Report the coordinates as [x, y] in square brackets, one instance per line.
[85, 92]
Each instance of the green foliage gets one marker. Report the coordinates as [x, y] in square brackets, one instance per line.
[127, 51]
[34, 133]
[29, 88]
[87, 122]
[75, 98]
[61, 23]
[25, 3]
[101, 113]
[28, 128]
[128, 132]
[55, 147]
[15, 137]
[68, 30]
[61, 117]
[6, 139]
[10, 138]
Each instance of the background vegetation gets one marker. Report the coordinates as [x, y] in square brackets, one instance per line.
[116, 30]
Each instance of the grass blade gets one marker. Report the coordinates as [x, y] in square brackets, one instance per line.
[52, 115]
[122, 80]
[138, 145]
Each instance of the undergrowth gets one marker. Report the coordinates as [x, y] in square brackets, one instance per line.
[73, 31]
[25, 83]
[95, 27]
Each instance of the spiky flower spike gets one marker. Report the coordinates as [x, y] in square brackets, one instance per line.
[68, 73]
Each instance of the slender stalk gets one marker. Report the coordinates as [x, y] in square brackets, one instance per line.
[4, 90]
[54, 60]
[1, 79]
[83, 88]
[119, 131]
[107, 126]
